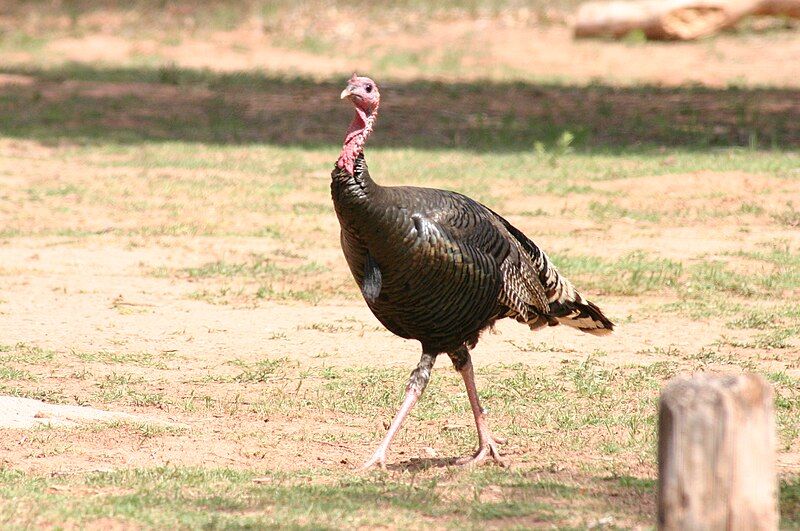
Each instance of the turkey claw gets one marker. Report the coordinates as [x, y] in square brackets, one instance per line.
[486, 450]
[378, 459]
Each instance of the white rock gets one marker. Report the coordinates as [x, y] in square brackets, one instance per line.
[20, 413]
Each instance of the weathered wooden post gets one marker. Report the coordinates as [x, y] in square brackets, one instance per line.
[716, 454]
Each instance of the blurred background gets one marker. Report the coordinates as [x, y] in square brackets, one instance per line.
[491, 74]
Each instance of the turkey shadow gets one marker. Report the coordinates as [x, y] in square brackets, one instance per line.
[418, 464]
[84, 103]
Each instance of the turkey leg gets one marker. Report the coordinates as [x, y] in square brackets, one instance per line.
[487, 444]
[416, 385]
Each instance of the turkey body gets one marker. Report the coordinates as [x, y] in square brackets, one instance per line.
[439, 267]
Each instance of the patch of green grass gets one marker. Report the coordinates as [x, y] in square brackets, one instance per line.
[604, 212]
[225, 269]
[197, 497]
[142, 359]
[149, 430]
[779, 252]
[790, 503]
[759, 319]
[539, 212]
[209, 498]
[789, 217]
[263, 370]
[16, 360]
[20, 40]
[129, 389]
[398, 59]
[166, 497]
[166, 188]
[175, 229]
[780, 326]
[787, 405]
[631, 274]
[702, 308]
[57, 191]
[146, 430]
[269, 232]
[779, 270]
[11, 373]
[712, 278]
[51, 396]
[716, 356]
[257, 267]
[750, 208]
[643, 485]
[315, 44]
[25, 354]
[564, 189]
[309, 208]
[259, 278]
[774, 339]
[533, 511]
[560, 146]
[311, 296]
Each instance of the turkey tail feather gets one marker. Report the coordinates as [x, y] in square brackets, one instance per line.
[566, 305]
[583, 315]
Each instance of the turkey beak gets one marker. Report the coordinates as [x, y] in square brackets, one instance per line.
[345, 93]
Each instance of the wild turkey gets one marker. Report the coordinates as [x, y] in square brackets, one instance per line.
[440, 268]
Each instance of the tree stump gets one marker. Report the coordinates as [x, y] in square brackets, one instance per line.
[716, 454]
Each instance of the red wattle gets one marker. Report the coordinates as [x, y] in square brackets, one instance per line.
[353, 142]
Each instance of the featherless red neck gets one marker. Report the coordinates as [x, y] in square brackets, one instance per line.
[363, 93]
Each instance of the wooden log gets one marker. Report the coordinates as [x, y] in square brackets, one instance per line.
[782, 8]
[716, 454]
[673, 19]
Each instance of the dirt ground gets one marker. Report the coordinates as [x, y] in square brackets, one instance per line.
[174, 325]
[98, 294]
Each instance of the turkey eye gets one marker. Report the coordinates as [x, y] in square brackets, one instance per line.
[368, 88]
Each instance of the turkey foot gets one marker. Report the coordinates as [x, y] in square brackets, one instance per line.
[487, 443]
[378, 458]
[487, 449]
[416, 385]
